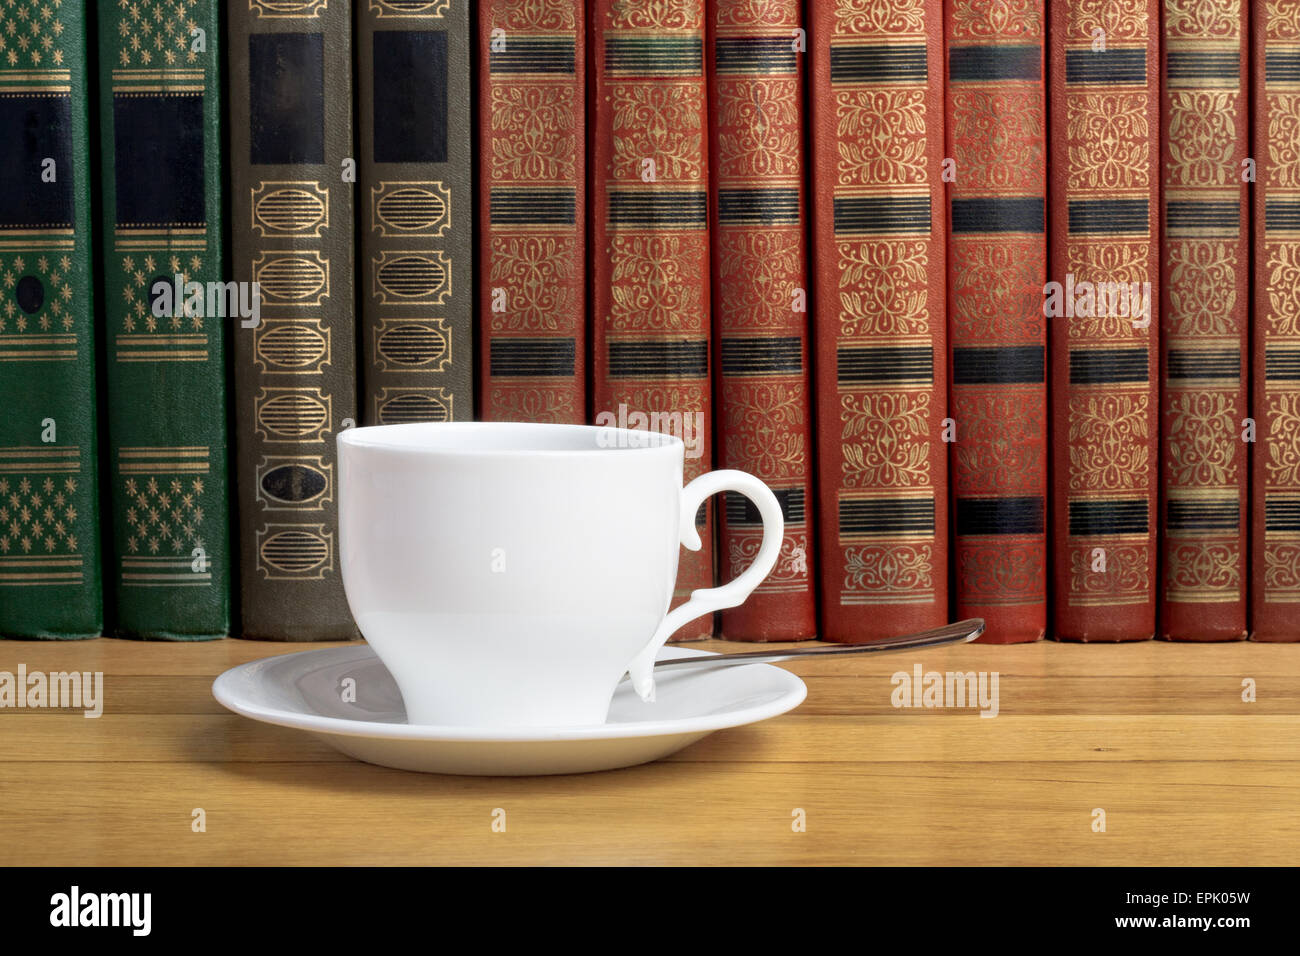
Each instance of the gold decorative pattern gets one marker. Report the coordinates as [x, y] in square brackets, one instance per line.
[290, 209]
[295, 552]
[414, 278]
[537, 272]
[1108, 441]
[293, 415]
[292, 278]
[291, 346]
[287, 9]
[885, 287]
[412, 345]
[410, 208]
[885, 440]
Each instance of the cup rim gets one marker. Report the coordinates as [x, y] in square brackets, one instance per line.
[405, 438]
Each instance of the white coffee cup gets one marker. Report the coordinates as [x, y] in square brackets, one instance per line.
[509, 574]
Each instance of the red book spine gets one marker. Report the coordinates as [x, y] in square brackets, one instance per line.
[1102, 302]
[1275, 492]
[1204, 312]
[532, 222]
[880, 284]
[650, 240]
[997, 257]
[760, 295]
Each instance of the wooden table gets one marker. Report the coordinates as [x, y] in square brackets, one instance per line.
[1156, 735]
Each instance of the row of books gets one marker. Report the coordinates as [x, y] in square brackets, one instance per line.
[826, 243]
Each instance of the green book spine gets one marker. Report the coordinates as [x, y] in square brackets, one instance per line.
[49, 538]
[165, 313]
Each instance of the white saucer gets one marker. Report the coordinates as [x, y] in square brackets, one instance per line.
[305, 691]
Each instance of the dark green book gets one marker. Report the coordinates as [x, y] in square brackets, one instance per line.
[49, 538]
[165, 312]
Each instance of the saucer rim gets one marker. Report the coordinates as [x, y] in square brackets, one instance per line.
[796, 691]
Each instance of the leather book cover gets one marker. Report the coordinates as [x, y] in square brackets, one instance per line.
[1205, 320]
[1103, 311]
[1275, 492]
[50, 584]
[648, 195]
[756, 64]
[880, 287]
[997, 266]
[416, 213]
[532, 301]
[166, 317]
[292, 177]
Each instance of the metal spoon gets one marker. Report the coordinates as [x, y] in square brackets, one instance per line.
[959, 633]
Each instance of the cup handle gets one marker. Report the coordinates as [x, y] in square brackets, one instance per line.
[707, 600]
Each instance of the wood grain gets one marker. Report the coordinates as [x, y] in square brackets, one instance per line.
[1155, 734]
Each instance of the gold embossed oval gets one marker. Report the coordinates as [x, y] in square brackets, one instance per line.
[292, 346]
[410, 209]
[411, 276]
[291, 278]
[295, 551]
[290, 209]
[411, 345]
[292, 415]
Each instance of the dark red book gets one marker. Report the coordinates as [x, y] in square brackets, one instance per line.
[877, 153]
[760, 304]
[1103, 311]
[997, 265]
[1275, 491]
[532, 211]
[1205, 320]
[649, 187]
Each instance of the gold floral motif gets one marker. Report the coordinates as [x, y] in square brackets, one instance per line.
[884, 287]
[880, 136]
[537, 272]
[1110, 141]
[997, 19]
[1202, 439]
[1201, 571]
[1127, 573]
[771, 265]
[891, 18]
[658, 14]
[1219, 20]
[787, 575]
[754, 13]
[652, 282]
[1282, 467]
[540, 15]
[1202, 138]
[1118, 19]
[1281, 569]
[877, 573]
[1108, 442]
[659, 122]
[767, 428]
[535, 404]
[1283, 20]
[885, 439]
[1109, 261]
[1283, 262]
[998, 289]
[1000, 442]
[537, 138]
[1282, 167]
[1202, 281]
[999, 574]
[759, 127]
[998, 137]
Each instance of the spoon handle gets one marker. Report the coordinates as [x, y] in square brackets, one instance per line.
[957, 633]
